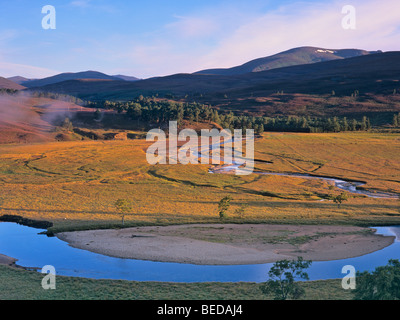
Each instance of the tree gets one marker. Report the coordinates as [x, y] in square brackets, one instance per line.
[353, 125]
[365, 124]
[345, 124]
[260, 129]
[395, 120]
[223, 206]
[67, 125]
[340, 198]
[97, 115]
[123, 206]
[304, 123]
[381, 284]
[368, 124]
[282, 276]
[336, 124]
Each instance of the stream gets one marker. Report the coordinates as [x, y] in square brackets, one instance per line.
[34, 250]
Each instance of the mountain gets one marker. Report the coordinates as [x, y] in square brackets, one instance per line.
[126, 78]
[293, 57]
[19, 79]
[93, 75]
[351, 87]
[377, 73]
[9, 84]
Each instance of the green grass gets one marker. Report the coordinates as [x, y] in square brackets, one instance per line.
[18, 284]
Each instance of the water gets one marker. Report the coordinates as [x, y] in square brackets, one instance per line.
[350, 186]
[35, 251]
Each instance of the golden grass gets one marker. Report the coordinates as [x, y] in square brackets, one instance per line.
[77, 183]
[370, 157]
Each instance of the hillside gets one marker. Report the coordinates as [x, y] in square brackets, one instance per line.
[126, 78]
[19, 79]
[25, 118]
[94, 75]
[375, 73]
[9, 84]
[293, 57]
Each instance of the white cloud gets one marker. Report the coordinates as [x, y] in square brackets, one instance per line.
[9, 34]
[225, 36]
[80, 3]
[309, 24]
[8, 69]
[193, 27]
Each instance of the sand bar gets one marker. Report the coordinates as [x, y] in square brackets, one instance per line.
[230, 244]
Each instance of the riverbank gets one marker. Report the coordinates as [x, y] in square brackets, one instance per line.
[230, 244]
[25, 285]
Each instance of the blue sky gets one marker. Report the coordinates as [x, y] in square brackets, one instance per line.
[159, 37]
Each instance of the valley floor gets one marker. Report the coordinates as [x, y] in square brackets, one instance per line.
[230, 244]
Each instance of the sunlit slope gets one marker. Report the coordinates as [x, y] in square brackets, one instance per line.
[77, 183]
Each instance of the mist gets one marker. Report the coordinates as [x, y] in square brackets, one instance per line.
[25, 116]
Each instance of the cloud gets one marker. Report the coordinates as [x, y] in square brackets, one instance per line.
[8, 69]
[222, 34]
[225, 37]
[302, 24]
[215, 40]
[193, 27]
[178, 46]
[80, 3]
[89, 4]
[8, 34]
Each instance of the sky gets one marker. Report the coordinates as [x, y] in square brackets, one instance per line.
[158, 37]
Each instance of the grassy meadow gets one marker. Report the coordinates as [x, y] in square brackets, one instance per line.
[74, 184]
[16, 284]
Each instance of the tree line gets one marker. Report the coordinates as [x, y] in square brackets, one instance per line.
[40, 94]
[162, 111]
[8, 91]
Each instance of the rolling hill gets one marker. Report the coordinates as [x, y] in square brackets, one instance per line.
[126, 78]
[9, 84]
[93, 75]
[293, 57]
[374, 73]
[318, 89]
[19, 79]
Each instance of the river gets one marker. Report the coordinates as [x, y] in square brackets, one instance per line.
[35, 250]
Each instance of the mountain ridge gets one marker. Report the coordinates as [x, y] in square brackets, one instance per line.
[375, 72]
[291, 57]
[90, 74]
